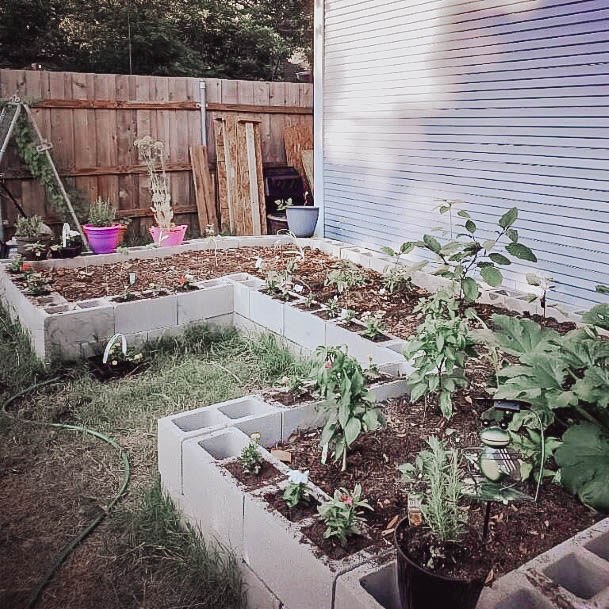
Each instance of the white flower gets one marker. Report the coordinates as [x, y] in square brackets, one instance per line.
[297, 477]
[382, 291]
[259, 263]
[298, 288]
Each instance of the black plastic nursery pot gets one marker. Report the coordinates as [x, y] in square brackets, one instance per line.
[421, 588]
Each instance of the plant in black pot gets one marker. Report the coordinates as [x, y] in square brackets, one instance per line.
[33, 238]
[442, 562]
[71, 244]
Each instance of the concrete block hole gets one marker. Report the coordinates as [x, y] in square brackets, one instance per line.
[382, 585]
[224, 446]
[523, 599]
[200, 420]
[599, 546]
[247, 407]
[578, 575]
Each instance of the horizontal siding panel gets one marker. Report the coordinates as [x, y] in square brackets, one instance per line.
[496, 104]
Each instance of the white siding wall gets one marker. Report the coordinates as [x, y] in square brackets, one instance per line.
[497, 103]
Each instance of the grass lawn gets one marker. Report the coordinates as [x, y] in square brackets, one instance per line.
[54, 482]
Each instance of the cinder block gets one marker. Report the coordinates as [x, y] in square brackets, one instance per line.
[67, 332]
[266, 312]
[372, 585]
[214, 298]
[301, 417]
[242, 289]
[358, 255]
[146, 315]
[211, 499]
[257, 593]
[289, 565]
[303, 328]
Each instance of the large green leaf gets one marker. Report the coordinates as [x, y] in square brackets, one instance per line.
[520, 251]
[470, 289]
[500, 259]
[583, 459]
[432, 243]
[352, 430]
[508, 218]
[598, 316]
[594, 387]
[518, 336]
[492, 276]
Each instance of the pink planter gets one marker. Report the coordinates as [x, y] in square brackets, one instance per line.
[102, 239]
[168, 238]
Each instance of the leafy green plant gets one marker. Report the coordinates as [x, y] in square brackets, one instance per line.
[36, 284]
[583, 458]
[36, 250]
[296, 491]
[436, 479]
[186, 283]
[342, 514]
[398, 277]
[29, 228]
[102, 213]
[565, 379]
[250, 458]
[16, 265]
[459, 257]
[347, 405]
[280, 283]
[345, 276]
[598, 316]
[333, 308]
[374, 326]
[440, 350]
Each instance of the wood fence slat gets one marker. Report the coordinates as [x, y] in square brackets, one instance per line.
[266, 109]
[297, 138]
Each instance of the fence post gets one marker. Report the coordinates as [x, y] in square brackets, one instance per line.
[203, 101]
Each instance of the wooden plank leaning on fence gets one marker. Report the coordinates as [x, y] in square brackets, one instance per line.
[204, 190]
[240, 174]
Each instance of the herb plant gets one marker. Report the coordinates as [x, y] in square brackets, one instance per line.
[398, 277]
[440, 350]
[280, 284]
[342, 514]
[36, 250]
[16, 265]
[333, 308]
[460, 256]
[345, 276]
[436, 479]
[36, 284]
[251, 459]
[102, 213]
[347, 405]
[296, 491]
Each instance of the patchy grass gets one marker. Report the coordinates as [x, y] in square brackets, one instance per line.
[55, 480]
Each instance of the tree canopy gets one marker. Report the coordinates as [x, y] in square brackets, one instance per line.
[213, 38]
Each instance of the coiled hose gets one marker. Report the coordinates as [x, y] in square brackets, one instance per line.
[86, 531]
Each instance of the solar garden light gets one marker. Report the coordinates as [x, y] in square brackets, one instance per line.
[496, 460]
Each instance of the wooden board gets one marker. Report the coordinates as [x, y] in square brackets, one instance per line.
[297, 138]
[206, 205]
[308, 165]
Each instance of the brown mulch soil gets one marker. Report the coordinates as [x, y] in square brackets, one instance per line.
[167, 273]
[268, 474]
[305, 509]
[518, 531]
[332, 548]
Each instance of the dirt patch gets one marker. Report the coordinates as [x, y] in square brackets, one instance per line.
[268, 474]
[305, 509]
[518, 531]
[331, 548]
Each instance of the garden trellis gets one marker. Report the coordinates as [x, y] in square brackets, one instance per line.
[12, 111]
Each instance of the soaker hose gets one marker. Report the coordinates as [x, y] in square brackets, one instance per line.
[85, 532]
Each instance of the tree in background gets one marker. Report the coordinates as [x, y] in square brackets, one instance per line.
[214, 38]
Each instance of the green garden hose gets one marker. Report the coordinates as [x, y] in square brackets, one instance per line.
[69, 547]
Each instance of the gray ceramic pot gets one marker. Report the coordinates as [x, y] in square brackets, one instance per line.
[302, 219]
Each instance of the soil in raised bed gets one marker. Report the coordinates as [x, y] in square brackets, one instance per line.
[331, 547]
[305, 509]
[518, 532]
[268, 474]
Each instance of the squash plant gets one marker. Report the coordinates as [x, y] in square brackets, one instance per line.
[565, 379]
[347, 404]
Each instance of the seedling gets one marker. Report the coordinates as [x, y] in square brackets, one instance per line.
[342, 514]
[374, 326]
[251, 459]
[545, 284]
[36, 284]
[345, 276]
[296, 491]
[16, 265]
[186, 283]
[333, 308]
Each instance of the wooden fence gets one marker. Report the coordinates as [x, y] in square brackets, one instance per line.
[93, 120]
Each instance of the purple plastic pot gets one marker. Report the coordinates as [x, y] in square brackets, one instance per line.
[102, 239]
